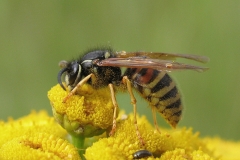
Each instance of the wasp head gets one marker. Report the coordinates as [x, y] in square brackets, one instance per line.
[72, 72]
[75, 70]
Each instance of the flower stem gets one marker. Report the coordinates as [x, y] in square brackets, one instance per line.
[78, 142]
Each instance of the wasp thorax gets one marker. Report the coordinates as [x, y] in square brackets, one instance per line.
[87, 64]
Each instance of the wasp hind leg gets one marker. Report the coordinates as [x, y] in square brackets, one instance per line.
[114, 101]
[74, 90]
[155, 120]
[133, 101]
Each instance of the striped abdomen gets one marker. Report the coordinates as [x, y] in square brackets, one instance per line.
[158, 88]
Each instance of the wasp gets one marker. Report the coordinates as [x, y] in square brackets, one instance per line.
[146, 72]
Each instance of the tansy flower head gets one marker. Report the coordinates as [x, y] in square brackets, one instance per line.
[36, 136]
[170, 144]
[87, 113]
[38, 146]
[227, 150]
[35, 122]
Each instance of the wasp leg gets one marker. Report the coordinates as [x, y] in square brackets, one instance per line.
[114, 101]
[133, 101]
[155, 120]
[84, 80]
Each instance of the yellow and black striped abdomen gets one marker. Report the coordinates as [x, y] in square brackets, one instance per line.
[158, 88]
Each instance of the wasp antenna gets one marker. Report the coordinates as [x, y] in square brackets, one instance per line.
[60, 73]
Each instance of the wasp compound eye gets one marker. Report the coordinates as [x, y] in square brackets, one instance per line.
[73, 75]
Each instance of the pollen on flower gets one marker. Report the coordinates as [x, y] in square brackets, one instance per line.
[38, 146]
[88, 112]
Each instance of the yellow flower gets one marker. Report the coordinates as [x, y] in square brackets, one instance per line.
[35, 122]
[36, 136]
[87, 113]
[38, 146]
[227, 150]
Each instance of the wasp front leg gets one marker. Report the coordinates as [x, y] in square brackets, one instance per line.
[134, 103]
[74, 90]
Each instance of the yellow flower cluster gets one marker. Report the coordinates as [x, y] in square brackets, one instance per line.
[36, 136]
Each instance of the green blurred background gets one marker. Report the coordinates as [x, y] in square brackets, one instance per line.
[36, 35]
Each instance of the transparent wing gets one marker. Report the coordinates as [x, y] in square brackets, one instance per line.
[141, 62]
[162, 56]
